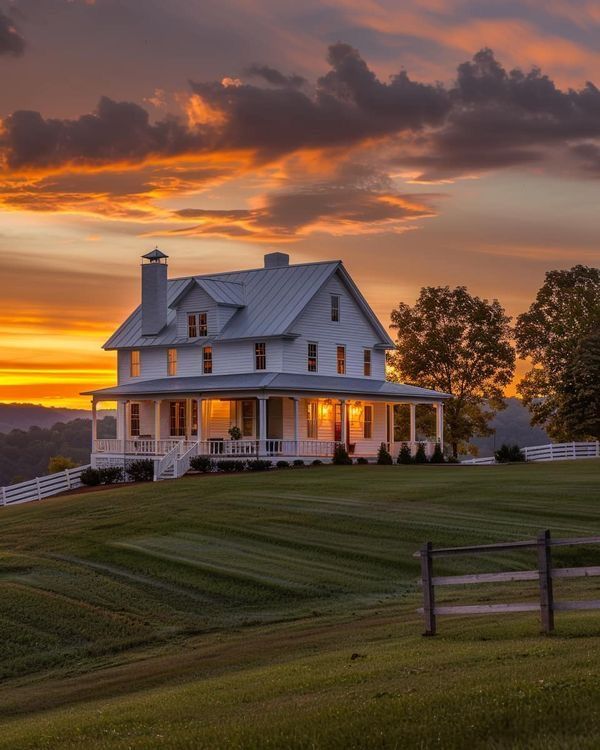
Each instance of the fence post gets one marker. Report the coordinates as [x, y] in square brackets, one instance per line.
[545, 570]
[68, 478]
[3, 495]
[428, 592]
[37, 485]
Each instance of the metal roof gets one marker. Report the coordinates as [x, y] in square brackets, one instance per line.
[272, 299]
[272, 381]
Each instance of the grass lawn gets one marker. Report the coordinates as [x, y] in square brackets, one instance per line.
[278, 611]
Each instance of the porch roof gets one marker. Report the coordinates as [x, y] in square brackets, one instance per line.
[266, 382]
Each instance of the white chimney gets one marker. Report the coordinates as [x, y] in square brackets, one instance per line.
[154, 292]
[276, 260]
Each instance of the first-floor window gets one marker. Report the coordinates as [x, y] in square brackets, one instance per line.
[248, 418]
[172, 362]
[311, 420]
[177, 418]
[134, 363]
[312, 357]
[207, 362]
[341, 360]
[134, 420]
[368, 421]
[367, 362]
[260, 356]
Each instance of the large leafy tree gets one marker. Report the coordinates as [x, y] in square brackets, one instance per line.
[454, 342]
[580, 407]
[565, 313]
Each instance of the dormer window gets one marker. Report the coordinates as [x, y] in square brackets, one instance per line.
[197, 325]
[335, 308]
[134, 363]
[260, 356]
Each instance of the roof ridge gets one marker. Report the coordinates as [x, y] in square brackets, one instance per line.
[251, 270]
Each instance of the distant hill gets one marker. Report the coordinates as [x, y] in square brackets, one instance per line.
[512, 426]
[24, 416]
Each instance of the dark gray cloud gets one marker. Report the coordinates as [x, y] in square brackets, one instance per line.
[274, 76]
[11, 41]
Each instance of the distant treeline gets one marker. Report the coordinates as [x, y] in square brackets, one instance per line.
[24, 454]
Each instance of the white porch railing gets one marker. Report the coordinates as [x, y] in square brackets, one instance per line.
[41, 487]
[182, 464]
[266, 448]
[141, 446]
[551, 452]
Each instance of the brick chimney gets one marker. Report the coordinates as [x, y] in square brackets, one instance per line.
[154, 292]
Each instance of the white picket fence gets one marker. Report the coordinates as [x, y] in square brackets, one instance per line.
[41, 487]
[552, 452]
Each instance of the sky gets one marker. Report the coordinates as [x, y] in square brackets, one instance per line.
[428, 142]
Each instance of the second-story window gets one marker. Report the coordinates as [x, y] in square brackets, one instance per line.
[172, 362]
[260, 356]
[312, 357]
[134, 363]
[197, 325]
[335, 308]
[134, 420]
[341, 360]
[367, 362]
[207, 362]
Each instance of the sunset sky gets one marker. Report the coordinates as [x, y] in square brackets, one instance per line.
[423, 142]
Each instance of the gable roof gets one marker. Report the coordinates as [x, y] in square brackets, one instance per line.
[270, 301]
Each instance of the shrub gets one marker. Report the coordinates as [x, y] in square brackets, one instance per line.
[437, 457]
[283, 464]
[201, 463]
[298, 462]
[235, 433]
[259, 464]
[452, 460]
[420, 455]
[141, 470]
[60, 463]
[317, 462]
[340, 456]
[228, 464]
[405, 456]
[90, 477]
[111, 474]
[383, 456]
[362, 460]
[508, 453]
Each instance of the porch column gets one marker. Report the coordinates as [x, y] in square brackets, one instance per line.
[157, 422]
[439, 423]
[413, 423]
[125, 425]
[199, 425]
[94, 424]
[296, 424]
[389, 408]
[343, 420]
[188, 419]
[262, 423]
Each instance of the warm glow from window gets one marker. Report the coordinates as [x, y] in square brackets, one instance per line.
[134, 363]
[172, 362]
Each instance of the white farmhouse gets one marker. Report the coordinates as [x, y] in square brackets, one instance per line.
[290, 355]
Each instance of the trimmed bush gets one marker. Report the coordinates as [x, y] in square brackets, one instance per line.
[90, 477]
[259, 464]
[201, 463]
[283, 464]
[508, 454]
[420, 455]
[437, 457]
[299, 462]
[340, 456]
[317, 462]
[60, 463]
[383, 456]
[228, 465]
[141, 470]
[362, 460]
[405, 456]
[111, 474]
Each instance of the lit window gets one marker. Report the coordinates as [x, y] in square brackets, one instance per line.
[260, 356]
[341, 360]
[312, 357]
[134, 363]
[368, 421]
[335, 308]
[197, 325]
[248, 418]
[207, 363]
[311, 420]
[177, 414]
[367, 362]
[134, 420]
[172, 362]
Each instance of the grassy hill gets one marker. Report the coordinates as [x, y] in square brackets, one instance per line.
[278, 610]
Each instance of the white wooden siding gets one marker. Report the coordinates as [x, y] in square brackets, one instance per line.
[352, 331]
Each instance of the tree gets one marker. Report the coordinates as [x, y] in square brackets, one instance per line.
[383, 455]
[60, 463]
[580, 404]
[565, 312]
[456, 343]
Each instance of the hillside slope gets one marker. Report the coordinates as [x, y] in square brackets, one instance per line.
[279, 610]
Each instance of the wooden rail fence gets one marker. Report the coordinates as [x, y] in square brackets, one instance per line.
[41, 487]
[545, 574]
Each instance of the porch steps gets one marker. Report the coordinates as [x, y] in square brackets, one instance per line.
[168, 473]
